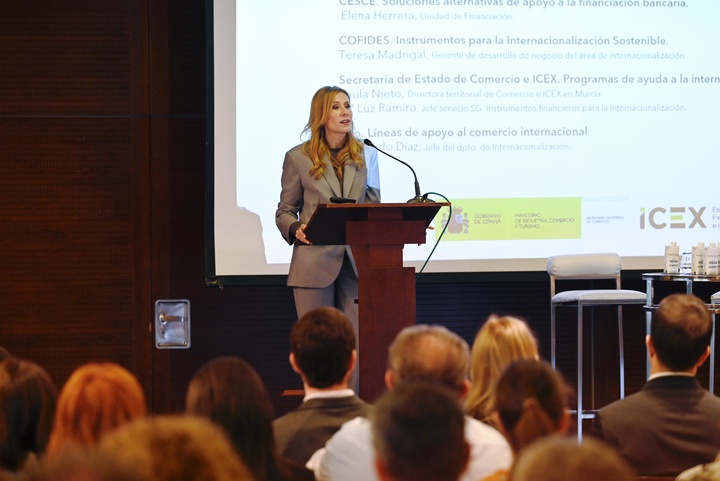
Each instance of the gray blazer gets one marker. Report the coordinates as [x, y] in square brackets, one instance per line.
[318, 266]
[299, 433]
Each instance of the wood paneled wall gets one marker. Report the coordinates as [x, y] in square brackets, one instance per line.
[102, 186]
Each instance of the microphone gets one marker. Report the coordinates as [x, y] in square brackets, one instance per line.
[418, 197]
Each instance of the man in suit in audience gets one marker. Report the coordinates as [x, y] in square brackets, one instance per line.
[322, 345]
[418, 432]
[419, 353]
[672, 423]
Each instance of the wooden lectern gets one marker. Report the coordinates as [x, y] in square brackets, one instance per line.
[376, 234]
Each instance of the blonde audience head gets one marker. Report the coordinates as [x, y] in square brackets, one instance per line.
[95, 399]
[563, 459]
[500, 341]
[177, 448]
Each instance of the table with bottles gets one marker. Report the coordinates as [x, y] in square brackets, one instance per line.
[691, 281]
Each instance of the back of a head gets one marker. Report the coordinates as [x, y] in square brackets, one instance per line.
[418, 434]
[563, 459]
[429, 353]
[27, 406]
[681, 328]
[500, 341]
[82, 463]
[176, 448]
[531, 402]
[228, 391]
[322, 342]
[95, 399]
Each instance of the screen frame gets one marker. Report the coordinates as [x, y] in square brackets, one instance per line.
[511, 270]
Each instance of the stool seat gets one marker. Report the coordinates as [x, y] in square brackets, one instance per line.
[601, 296]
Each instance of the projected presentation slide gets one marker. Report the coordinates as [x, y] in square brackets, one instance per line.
[552, 126]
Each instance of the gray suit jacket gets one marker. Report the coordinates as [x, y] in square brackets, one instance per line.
[299, 433]
[670, 425]
[311, 265]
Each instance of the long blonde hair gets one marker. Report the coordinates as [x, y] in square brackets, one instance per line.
[500, 341]
[316, 147]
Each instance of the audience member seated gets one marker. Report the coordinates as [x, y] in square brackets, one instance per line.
[95, 399]
[27, 403]
[82, 463]
[530, 403]
[418, 431]
[673, 423]
[556, 458]
[702, 472]
[176, 448]
[228, 391]
[322, 352]
[419, 353]
[499, 341]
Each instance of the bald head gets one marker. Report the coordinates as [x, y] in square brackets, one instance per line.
[429, 353]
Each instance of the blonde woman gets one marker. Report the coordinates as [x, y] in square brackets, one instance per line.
[331, 163]
[499, 342]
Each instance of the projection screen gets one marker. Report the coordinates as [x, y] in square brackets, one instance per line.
[552, 126]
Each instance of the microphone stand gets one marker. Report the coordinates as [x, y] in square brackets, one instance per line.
[418, 197]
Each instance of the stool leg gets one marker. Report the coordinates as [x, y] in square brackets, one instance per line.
[580, 372]
[552, 335]
[621, 348]
[712, 357]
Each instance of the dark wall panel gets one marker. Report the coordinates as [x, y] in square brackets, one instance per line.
[74, 57]
[72, 243]
[74, 184]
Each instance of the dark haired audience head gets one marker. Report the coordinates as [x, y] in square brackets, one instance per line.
[322, 344]
[429, 353]
[96, 398]
[680, 332]
[27, 406]
[563, 459]
[418, 434]
[229, 391]
[176, 448]
[530, 402]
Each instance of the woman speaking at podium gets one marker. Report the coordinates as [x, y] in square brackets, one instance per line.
[331, 163]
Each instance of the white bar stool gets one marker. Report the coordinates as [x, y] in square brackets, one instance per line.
[587, 267]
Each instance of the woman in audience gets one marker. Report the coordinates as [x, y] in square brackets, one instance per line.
[27, 406]
[95, 399]
[83, 463]
[702, 472]
[176, 448]
[563, 459]
[230, 392]
[500, 341]
[530, 403]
